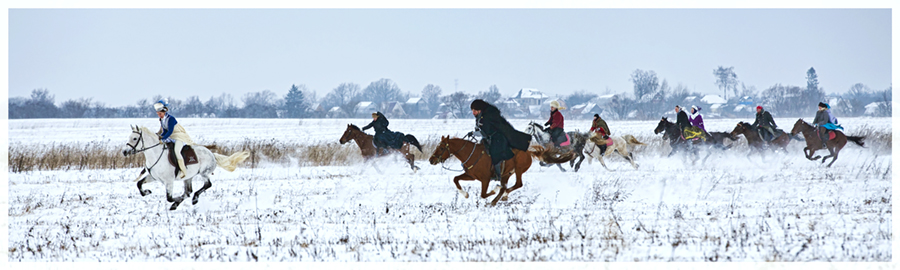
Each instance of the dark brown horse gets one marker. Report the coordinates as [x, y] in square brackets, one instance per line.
[813, 142]
[755, 142]
[476, 164]
[367, 147]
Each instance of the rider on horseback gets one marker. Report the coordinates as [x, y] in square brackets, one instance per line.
[764, 122]
[684, 124]
[498, 136]
[557, 134]
[599, 126]
[170, 131]
[824, 122]
[384, 138]
[697, 121]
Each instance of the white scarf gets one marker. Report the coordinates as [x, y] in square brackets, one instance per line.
[694, 115]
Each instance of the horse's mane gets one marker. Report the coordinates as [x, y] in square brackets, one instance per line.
[355, 127]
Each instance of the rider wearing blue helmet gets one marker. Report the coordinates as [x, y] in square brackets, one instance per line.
[171, 131]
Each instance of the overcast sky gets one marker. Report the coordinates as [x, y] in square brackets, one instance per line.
[118, 56]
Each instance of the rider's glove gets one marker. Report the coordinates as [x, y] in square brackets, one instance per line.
[470, 134]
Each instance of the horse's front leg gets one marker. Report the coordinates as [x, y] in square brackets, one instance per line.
[600, 157]
[188, 189]
[559, 165]
[140, 187]
[174, 200]
[458, 187]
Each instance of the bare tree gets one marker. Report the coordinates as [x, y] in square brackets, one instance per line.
[432, 96]
[726, 79]
[457, 103]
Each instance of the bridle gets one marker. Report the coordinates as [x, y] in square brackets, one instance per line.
[446, 148]
[534, 132]
[134, 149]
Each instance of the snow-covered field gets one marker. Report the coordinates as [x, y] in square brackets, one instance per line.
[731, 208]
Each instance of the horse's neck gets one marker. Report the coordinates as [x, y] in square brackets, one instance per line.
[363, 139]
[152, 154]
[539, 134]
[463, 148]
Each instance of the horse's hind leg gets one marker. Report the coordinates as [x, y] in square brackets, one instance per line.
[630, 158]
[580, 159]
[206, 185]
[560, 167]
[188, 189]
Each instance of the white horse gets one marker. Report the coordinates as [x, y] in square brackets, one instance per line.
[620, 145]
[158, 168]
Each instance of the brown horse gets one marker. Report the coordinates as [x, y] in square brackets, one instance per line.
[755, 142]
[476, 164]
[367, 147]
[813, 142]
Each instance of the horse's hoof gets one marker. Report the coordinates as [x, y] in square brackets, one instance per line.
[505, 198]
[145, 192]
[195, 200]
[174, 205]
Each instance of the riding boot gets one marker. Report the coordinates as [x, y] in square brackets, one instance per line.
[602, 149]
[823, 136]
[181, 174]
[498, 171]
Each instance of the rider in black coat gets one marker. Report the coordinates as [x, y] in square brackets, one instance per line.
[498, 136]
[682, 119]
[384, 138]
[764, 124]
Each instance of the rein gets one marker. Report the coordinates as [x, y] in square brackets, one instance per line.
[135, 151]
[463, 164]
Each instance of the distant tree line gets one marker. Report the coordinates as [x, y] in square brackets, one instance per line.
[650, 98]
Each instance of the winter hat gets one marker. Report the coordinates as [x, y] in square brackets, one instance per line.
[596, 115]
[695, 108]
[161, 106]
[823, 105]
[555, 104]
[478, 104]
[759, 107]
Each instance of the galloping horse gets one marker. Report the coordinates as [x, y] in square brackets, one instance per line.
[476, 163]
[755, 142]
[620, 145]
[161, 170]
[367, 147]
[577, 143]
[813, 142]
[672, 133]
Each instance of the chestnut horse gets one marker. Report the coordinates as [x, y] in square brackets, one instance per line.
[813, 142]
[367, 146]
[476, 164]
[755, 142]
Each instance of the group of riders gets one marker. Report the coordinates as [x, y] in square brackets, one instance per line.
[500, 137]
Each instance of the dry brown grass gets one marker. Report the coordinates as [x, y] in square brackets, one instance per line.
[99, 156]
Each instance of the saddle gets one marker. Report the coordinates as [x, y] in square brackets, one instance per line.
[567, 142]
[187, 152]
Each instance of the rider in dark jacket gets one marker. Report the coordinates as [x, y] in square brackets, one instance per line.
[682, 118]
[556, 123]
[764, 122]
[384, 138]
[498, 136]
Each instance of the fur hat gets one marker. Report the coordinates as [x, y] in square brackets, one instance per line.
[823, 105]
[478, 104]
[555, 104]
[161, 106]
[596, 115]
[695, 108]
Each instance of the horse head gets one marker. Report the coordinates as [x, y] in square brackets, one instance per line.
[350, 133]
[799, 126]
[137, 140]
[441, 152]
[661, 126]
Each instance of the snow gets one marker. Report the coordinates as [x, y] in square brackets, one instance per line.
[781, 208]
[531, 93]
[713, 99]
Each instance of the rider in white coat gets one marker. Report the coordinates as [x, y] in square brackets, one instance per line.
[171, 131]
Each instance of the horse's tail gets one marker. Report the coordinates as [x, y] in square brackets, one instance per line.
[549, 156]
[412, 140]
[229, 163]
[857, 140]
[631, 140]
